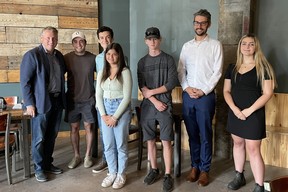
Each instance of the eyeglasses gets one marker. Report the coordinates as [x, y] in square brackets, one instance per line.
[196, 23]
[148, 33]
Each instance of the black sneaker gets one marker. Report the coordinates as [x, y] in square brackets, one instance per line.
[54, 170]
[41, 177]
[168, 183]
[152, 176]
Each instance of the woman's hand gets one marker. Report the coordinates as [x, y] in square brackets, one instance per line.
[247, 112]
[239, 114]
[109, 120]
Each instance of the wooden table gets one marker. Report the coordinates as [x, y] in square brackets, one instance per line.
[18, 115]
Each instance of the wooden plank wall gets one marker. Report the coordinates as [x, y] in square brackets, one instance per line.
[274, 147]
[21, 22]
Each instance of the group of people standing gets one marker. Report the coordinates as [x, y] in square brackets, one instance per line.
[248, 85]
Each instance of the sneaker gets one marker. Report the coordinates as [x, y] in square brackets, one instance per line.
[54, 170]
[102, 166]
[119, 181]
[88, 161]
[74, 162]
[41, 177]
[152, 176]
[108, 181]
[168, 183]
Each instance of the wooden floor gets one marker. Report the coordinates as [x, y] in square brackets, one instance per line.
[81, 179]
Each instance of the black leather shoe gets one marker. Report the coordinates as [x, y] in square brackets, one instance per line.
[237, 182]
[258, 188]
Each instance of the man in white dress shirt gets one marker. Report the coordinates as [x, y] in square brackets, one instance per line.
[199, 70]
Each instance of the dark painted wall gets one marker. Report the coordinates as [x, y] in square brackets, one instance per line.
[272, 28]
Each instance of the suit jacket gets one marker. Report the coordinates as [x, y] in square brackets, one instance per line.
[34, 79]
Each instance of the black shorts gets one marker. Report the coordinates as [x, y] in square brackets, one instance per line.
[151, 117]
[85, 111]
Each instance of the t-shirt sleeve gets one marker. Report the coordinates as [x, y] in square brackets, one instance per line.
[229, 71]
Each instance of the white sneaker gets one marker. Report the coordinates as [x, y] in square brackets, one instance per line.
[119, 181]
[108, 181]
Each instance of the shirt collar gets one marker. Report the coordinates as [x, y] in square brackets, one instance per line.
[205, 39]
[54, 52]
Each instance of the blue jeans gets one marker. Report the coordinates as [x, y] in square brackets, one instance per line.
[116, 138]
[198, 115]
[45, 129]
[101, 135]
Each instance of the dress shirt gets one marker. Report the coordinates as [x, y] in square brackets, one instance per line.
[200, 64]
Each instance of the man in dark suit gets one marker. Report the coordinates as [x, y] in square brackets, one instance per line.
[42, 84]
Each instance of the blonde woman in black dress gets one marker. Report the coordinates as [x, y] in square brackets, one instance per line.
[248, 86]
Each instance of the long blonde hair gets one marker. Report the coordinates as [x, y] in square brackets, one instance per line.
[263, 67]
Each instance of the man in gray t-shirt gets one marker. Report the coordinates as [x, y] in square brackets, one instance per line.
[157, 77]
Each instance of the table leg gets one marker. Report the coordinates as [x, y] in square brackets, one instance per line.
[177, 147]
[25, 147]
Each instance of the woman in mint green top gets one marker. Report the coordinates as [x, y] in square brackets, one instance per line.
[113, 96]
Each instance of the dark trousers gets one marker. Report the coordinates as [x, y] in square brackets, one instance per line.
[45, 129]
[198, 115]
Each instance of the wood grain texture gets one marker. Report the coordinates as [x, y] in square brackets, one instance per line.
[61, 10]
[9, 20]
[21, 23]
[2, 35]
[274, 147]
[78, 22]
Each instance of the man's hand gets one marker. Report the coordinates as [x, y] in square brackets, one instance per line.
[146, 92]
[160, 106]
[194, 93]
[30, 110]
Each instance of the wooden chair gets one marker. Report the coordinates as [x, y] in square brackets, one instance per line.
[135, 132]
[279, 184]
[7, 144]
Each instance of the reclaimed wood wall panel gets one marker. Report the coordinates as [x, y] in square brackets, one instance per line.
[23, 35]
[2, 35]
[15, 49]
[3, 76]
[3, 62]
[77, 22]
[19, 20]
[87, 11]
[21, 23]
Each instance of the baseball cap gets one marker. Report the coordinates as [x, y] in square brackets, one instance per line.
[152, 32]
[78, 34]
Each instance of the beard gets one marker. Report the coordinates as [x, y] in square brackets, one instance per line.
[202, 32]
